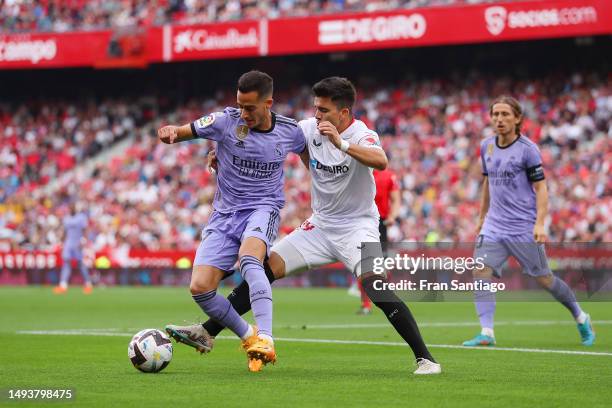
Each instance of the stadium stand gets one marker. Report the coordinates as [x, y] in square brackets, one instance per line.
[73, 15]
[157, 197]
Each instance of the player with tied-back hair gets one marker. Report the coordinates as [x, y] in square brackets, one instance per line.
[513, 208]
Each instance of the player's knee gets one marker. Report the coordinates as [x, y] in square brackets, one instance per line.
[197, 287]
[483, 273]
[253, 247]
[367, 283]
[545, 281]
[204, 279]
[372, 283]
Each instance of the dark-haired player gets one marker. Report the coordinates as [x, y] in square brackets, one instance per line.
[252, 144]
[342, 155]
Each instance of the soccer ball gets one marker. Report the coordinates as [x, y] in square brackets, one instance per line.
[150, 350]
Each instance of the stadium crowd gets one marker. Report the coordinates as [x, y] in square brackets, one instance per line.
[42, 140]
[72, 15]
[157, 196]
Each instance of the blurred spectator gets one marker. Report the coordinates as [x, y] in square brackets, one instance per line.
[40, 141]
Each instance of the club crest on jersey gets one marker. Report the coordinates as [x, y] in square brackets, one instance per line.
[242, 131]
[206, 121]
[278, 150]
[490, 150]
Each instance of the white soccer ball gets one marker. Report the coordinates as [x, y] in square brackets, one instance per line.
[150, 350]
[140, 333]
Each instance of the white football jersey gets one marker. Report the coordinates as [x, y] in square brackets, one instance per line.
[343, 189]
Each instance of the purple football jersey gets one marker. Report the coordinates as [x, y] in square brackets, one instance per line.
[74, 227]
[511, 171]
[250, 161]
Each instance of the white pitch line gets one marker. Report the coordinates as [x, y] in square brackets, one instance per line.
[74, 333]
[442, 324]
[447, 346]
[81, 332]
[368, 325]
[525, 350]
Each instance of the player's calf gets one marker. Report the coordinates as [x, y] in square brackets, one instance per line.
[398, 315]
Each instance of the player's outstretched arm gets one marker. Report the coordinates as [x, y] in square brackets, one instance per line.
[539, 231]
[174, 134]
[484, 203]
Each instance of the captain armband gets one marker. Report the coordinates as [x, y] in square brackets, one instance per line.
[535, 173]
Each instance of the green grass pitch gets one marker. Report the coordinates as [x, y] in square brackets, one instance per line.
[67, 353]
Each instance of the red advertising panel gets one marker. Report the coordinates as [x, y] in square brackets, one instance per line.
[142, 257]
[29, 260]
[568, 256]
[225, 40]
[443, 25]
[102, 49]
[114, 257]
[136, 47]
[14, 265]
[126, 48]
[155, 43]
[53, 50]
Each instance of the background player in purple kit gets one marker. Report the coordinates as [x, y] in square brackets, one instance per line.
[252, 144]
[513, 209]
[75, 225]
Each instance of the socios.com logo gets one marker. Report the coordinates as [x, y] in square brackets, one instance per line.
[495, 18]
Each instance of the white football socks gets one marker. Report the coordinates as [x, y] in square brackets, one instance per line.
[266, 337]
[486, 331]
[248, 333]
[581, 318]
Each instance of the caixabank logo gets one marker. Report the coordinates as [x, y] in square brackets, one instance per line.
[206, 40]
[498, 18]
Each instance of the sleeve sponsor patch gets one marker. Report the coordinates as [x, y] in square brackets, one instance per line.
[206, 121]
[370, 140]
[535, 173]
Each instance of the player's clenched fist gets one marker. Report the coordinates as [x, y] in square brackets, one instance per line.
[327, 129]
[168, 134]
